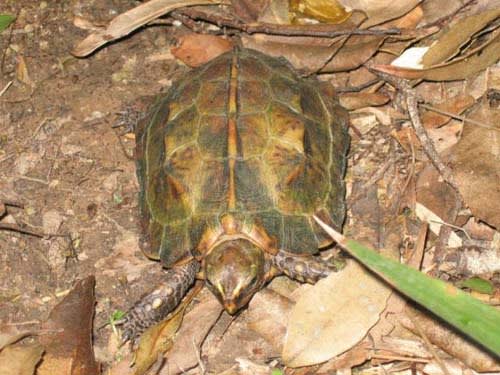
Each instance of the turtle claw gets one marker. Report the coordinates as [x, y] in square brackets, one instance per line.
[308, 269]
[129, 118]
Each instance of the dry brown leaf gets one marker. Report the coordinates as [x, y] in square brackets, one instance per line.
[85, 24]
[457, 69]
[334, 316]
[304, 53]
[196, 325]
[356, 100]
[123, 367]
[68, 337]
[123, 260]
[408, 139]
[156, 340]
[20, 359]
[354, 53]
[380, 11]
[9, 334]
[446, 136]
[249, 10]
[132, 19]
[363, 122]
[159, 338]
[183, 354]
[22, 74]
[311, 54]
[436, 194]
[450, 42]
[439, 9]
[197, 49]
[409, 21]
[471, 261]
[455, 105]
[307, 53]
[354, 357]
[475, 162]
[246, 367]
[276, 12]
[267, 315]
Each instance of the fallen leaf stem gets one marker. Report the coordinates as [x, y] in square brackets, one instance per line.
[224, 20]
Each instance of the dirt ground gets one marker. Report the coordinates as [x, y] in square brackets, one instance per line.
[61, 158]
[75, 175]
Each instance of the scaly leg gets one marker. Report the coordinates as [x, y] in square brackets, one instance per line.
[160, 302]
[303, 268]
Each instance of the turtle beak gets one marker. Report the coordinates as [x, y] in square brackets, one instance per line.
[230, 306]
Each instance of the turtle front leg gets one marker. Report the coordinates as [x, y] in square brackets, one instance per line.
[160, 302]
[303, 268]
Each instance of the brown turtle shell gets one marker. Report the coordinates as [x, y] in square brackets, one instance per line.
[242, 143]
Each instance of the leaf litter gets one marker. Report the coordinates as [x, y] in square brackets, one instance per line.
[380, 169]
[60, 345]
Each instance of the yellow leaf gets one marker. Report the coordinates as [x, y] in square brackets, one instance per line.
[329, 11]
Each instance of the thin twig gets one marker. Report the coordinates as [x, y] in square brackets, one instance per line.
[16, 228]
[425, 140]
[6, 87]
[443, 20]
[318, 30]
[399, 358]
[12, 203]
[430, 347]
[444, 236]
[452, 226]
[357, 88]
[197, 350]
[458, 117]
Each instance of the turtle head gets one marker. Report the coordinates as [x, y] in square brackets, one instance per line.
[234, 271]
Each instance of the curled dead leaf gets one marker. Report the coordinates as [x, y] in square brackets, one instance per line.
[379, 11]
[127, 22]
[195, 327]
[10, 334]
[450, 42]
[455, 105]
[358, 100]
[460, 68]
[475, 162]
[250, 10]
[68, 334]
[197, 49]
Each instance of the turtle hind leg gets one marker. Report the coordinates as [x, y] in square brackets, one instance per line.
[303, 268]
[134, 115]
[156, 305]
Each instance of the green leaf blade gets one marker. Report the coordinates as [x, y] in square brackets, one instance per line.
[469, 315]
[5, 21]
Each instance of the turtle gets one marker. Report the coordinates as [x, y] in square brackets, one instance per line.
[233, 161]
